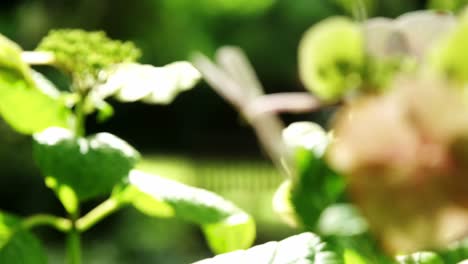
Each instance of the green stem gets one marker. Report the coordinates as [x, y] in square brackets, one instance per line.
[56, 222]
[73, 247]
[80, 119]
[359, 11]
[98, 213]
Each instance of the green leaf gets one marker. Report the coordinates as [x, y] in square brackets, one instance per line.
[105, 111]
[26, 108]
[341, 220]
[352, 257]
[447, 5]
[10, 59]
[86, 166]
[24, 105]
[282, 204]
[315, 188]
[17, 245]
[420, 258]
[305, 248]
[456, 252]
[233, 233]
[449, 56]
[306, 135]
[326, 68]
[225, 226]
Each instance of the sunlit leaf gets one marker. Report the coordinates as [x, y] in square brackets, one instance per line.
[105, 111]
[45, 85]
[305, 248]
[449, 57]
[89, 166]
[315, 186]
[225, 226]
[24, 104]
[27, 109]
[341, 220]
[10, 59]
[233, 233]
[352, 257]
[282, 204]
[306, 135]
[17, 245]
[326, 68]
[155, 85]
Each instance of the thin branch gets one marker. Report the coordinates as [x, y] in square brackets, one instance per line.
[98, 213]
[297, 102]
[59, 223]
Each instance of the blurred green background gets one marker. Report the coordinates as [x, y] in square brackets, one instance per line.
[198, 139]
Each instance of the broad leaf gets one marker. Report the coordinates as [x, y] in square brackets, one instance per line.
[315, 186]
[18, 246]
[305, 248]
[87, 167]
[24, 105]
[10, 59]
[27, 109]
[420, 258]
[155, 85]
[225, 226]
[341, 220]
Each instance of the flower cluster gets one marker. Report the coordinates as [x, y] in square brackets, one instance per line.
[401, 135]
[85, 54]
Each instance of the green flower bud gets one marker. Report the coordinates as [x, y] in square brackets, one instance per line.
[84, 54]
[331, 57]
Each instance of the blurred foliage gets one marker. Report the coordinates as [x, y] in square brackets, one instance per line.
[447, 5]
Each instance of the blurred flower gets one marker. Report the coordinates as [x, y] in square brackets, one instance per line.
[411, 34]
[405, 156]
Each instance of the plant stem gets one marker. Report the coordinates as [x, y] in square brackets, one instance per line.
[80, 118]
[73, 246]
[98, 213]
[56, 222]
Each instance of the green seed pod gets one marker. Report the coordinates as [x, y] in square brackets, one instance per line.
[331, 57]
